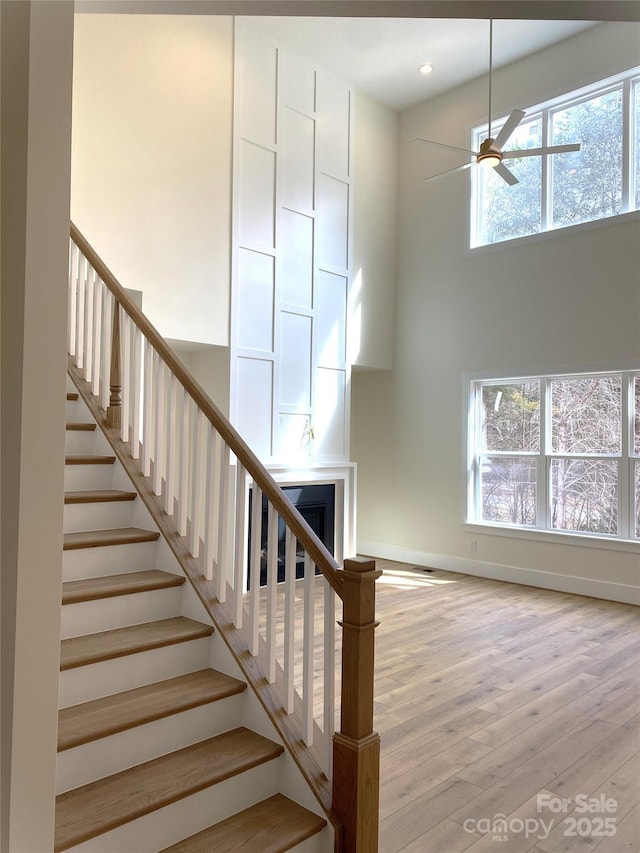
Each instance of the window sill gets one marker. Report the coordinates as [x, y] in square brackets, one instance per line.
[578, 540]
[561, 231]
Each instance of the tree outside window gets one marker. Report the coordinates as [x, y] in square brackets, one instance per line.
[600, 180]
[550, 453]
[511, 425]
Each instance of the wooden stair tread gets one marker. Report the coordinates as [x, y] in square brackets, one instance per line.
[99, 718]
[95, 808]
[272, 826]
[88, 459]
[88, 496]
[118, 642]
[91, 589]
[81, 426]
[72, 395]
[111, 536]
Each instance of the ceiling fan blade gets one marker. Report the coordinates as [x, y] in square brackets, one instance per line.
[450, 171]
[537, 152]
[444, 145]
[507, 129]
[505, 174]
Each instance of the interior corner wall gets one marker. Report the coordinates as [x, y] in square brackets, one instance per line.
[209, 366]
[567, 301]
[37, 41]
[151, 168]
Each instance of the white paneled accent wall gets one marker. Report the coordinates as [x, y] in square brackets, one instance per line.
[292, 249]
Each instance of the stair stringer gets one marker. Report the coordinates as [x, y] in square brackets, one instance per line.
[299, 775]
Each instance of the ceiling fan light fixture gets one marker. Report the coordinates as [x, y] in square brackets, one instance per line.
[489, 161]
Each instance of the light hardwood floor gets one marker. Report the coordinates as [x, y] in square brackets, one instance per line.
[490, 696]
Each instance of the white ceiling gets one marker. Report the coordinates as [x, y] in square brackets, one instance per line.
[381, 56]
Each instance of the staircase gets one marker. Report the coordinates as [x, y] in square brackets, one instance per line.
[160, 744]
[159, 739]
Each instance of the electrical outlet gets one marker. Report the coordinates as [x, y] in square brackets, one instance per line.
[473, 544]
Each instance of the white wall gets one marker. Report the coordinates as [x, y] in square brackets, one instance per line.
[151, 180]
[151, 176]
[566, 301]
[375, 164]
[209, 366]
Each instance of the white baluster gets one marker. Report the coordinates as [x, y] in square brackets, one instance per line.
[98, 297]
[329, 673]
[147, 417]
[184, 411]
[89, 298]
[73, 293]
[307, 651]
[136, 395]
[272, 587]
[289, 619]
[196, 481]
[159, 424]
[126, 376]
[87, 320]
[170, 485]
[82, 268]
[240, 550]
[108, 306]
[223, 522]
[254, 568]
[210, 503]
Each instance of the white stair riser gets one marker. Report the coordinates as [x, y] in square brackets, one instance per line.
[80, 477]
[112, 676]
[108, 560]
[91, 761]
[78, 441]
[321, 842]
[77, 412]
[120, 611]
[179, 820]
[97, 516]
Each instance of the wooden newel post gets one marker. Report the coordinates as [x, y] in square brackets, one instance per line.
[114, 409]
[356, 748]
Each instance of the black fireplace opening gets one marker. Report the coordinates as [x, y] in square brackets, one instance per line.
[316, 503]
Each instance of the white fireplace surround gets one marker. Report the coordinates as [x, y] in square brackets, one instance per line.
[343, 476]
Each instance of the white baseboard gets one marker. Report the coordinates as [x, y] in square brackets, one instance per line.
[608, 590]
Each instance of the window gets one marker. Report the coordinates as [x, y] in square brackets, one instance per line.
[599, 181]
[556, 453]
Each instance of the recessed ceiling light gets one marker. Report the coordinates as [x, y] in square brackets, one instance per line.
[427, 68]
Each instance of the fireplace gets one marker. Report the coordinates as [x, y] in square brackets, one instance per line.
[316, 502]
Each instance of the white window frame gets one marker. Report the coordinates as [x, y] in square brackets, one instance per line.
[627, 82]
[627, 459]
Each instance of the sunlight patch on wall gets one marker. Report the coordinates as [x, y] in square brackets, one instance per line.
[354, 319]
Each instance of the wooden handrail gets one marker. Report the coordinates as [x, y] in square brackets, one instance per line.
[349, 793]
[311, 542]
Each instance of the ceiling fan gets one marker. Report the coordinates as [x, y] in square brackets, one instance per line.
[491, 154]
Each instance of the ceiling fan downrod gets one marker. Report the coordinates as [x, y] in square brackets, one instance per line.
[490, 69]
[491, 153]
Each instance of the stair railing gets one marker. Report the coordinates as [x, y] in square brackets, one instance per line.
[203, 475]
